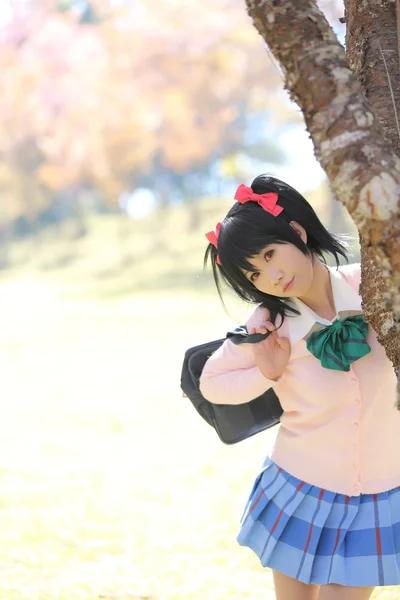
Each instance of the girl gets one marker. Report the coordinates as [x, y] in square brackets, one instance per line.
[324, 512]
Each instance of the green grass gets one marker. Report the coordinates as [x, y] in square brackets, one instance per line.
[112, 486]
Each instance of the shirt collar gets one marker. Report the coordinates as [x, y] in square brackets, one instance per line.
[347, 302]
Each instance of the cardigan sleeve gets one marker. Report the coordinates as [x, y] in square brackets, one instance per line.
[230, 375]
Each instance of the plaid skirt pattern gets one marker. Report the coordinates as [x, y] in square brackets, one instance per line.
[318, 536]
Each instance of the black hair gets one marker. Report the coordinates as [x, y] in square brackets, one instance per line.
[248, 228]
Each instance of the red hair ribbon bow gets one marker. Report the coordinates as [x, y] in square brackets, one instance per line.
[212, 237]
[267, 201]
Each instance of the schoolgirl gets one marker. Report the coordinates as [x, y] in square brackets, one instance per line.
[324, 512]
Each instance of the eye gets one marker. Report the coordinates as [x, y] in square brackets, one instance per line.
[269, 254]
[254, 276]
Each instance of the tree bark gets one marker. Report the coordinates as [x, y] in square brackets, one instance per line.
[373, 54]
[348, 141]
[372, 48]
[398, 25]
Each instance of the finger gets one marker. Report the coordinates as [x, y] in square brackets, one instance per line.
[272, 333]
[270, 327]
[260, 329]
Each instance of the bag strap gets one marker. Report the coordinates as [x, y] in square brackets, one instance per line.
[240, 335]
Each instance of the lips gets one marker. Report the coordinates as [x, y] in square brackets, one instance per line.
[288, 285]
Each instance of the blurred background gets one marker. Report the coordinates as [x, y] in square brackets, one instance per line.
[125, 128]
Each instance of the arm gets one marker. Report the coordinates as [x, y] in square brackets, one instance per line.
[230, 376]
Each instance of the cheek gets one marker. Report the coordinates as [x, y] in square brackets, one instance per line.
[264, 285]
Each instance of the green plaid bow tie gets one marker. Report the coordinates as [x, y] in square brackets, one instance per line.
[340, 344]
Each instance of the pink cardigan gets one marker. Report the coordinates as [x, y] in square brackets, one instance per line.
[339, 430]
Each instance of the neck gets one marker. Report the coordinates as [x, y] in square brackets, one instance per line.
[320, 296]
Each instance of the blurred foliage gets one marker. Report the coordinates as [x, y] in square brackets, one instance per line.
[162, 252]
[108, 96]
[113, 487]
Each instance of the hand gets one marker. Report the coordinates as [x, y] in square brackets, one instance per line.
[272, 354]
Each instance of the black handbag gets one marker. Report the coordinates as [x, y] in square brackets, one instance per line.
[233, 423]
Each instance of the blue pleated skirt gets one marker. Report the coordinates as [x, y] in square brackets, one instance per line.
[318, 536]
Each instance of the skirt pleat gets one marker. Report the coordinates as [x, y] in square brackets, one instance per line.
[318, 536]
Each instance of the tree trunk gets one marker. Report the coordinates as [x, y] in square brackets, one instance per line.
[372, 48]
[373, 54]
[348, 141]
[398, 25]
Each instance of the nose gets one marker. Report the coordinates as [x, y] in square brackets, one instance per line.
[275, 275]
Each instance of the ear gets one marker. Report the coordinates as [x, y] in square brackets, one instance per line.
[300, 230]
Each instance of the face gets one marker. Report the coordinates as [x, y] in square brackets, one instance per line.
[282, 269]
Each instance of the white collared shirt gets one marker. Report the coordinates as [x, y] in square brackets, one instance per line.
[346, 300]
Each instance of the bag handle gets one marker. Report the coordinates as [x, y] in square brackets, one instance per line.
[240, 335]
